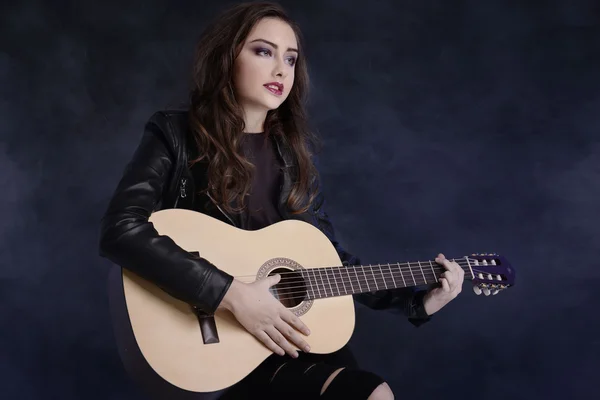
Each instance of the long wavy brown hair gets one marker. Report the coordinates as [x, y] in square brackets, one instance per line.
[216, 117]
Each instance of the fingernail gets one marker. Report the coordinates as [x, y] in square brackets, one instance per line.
[307, 348]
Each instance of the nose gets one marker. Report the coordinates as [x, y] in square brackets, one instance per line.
[280, 73]
[280, 69]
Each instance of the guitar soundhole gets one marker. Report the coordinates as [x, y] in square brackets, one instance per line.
[290, 290]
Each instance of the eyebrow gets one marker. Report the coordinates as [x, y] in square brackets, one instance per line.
[273, 44]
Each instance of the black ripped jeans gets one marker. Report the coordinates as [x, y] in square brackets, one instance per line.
[284, 377]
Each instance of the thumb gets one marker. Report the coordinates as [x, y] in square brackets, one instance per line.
[273, 280]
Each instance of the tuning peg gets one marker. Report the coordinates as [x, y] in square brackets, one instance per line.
[495, 292]
[486, 291]
[477, 290]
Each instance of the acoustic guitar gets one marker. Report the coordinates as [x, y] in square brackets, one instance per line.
[206, 353]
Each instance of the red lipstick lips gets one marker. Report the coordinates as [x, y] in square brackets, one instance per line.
[274, 87]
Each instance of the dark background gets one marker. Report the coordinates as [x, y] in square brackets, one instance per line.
[449, 126]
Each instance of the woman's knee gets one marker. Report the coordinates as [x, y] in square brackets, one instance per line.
[382, 392]
[329, 379]
[345, 383]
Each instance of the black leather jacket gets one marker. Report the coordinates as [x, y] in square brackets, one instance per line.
[157, 177]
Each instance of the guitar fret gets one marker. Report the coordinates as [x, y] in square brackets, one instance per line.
[382, 276]
[433, 271]
[331, 276]
[329, 282]
[326, 270]
[339, 271]
[357, 280]
[350, 279]
[366, 280]
[335, 281]
[402, 275]
[413, 277]
[317, 282]
[392, 275]
[322, 282]
[374, 278]
[422, 273]
[307, 278]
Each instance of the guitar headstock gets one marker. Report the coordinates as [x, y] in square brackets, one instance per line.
[492, 273]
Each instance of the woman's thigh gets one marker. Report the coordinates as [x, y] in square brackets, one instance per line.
[283, 377]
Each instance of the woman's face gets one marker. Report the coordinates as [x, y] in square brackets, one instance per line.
[264, 69]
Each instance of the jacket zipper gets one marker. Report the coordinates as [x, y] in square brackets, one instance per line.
[182, 191]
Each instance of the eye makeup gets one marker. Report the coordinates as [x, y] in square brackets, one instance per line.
[259, 51]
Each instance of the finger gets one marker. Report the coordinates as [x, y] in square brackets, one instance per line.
[450, 280]
[294, 321]
[292, 335]
[448, 265]
[461, 271]
[439, 259]
[454, 265]
[281, 341]
[271, 345]
[448, 277]
[273, 279]
[445, 285]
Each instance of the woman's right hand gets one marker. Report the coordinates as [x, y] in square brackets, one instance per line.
[261, 314]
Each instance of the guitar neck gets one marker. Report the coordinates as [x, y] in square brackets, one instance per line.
[326, 282]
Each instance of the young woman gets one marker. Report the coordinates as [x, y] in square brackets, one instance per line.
[243, 153]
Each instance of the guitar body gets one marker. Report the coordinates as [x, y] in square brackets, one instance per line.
[167, 332]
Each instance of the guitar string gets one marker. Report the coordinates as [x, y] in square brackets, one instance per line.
[402, 266]
[394, 266]
[304, 295]
[382, 278]
[283, 293]
[369, 280]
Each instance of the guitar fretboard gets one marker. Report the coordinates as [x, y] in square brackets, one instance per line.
[340, 281]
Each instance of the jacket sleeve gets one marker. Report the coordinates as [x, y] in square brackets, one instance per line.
[129, 240]
[408, 301]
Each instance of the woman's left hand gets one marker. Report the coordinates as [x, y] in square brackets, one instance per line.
[451, 281]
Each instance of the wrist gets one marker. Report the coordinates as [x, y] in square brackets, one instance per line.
[418, 305]
[430, 305]
[230, 299]
[434, 303]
